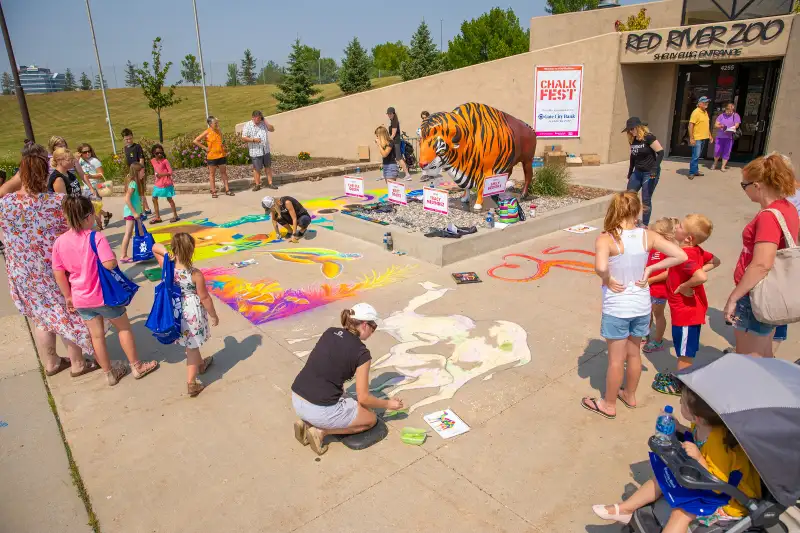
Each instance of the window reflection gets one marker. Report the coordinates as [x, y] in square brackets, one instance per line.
[710, 11]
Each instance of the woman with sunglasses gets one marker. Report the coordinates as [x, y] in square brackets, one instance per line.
[767, 181]
[318, 390]
[93, 173]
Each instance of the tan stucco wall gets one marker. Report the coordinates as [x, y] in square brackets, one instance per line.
[552, 30]
[784, 131]
[337, 127]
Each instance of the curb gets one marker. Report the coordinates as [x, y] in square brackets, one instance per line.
[279, 179]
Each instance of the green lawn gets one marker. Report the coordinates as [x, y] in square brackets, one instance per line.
[79, 116]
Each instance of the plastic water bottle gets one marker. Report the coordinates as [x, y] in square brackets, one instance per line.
[533, 210]
[389, 242]
[358, 170]
[490, 218]
[665, 426]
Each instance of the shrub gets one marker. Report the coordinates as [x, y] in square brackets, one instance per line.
[551, 180]
[184, 153]
[238, 153]
[640, 21]
[303, 156]
[114, 167]
[10, 165]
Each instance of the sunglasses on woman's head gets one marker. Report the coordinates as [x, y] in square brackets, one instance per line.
[746, 184]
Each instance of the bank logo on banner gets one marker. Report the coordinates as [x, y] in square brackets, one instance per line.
[495, 185]
[435, 200]
[354, 187]
[557, 101]
[397, 193]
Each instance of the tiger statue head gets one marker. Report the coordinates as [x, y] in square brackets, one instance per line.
[438, 141]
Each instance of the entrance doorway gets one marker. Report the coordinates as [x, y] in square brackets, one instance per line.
[751, 88]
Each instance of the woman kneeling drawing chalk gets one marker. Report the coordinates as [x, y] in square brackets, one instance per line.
[317, 391]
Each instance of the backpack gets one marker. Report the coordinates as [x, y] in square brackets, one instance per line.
[776, 300]
[508, 210]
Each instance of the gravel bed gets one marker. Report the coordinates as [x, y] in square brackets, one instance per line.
[280, 164]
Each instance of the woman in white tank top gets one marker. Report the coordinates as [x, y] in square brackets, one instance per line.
[621, 254]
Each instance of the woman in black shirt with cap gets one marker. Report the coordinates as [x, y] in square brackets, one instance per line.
[646, 157]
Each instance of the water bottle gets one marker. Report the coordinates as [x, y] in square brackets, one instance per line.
[386, 240]
[533, 210]
[490, 218]
[389, 242]
[665, 426]
[358, 170]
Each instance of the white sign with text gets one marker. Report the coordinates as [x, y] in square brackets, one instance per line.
[495, 184]
[435, 200]
[557, 101]
[354, 187]
[397, 193]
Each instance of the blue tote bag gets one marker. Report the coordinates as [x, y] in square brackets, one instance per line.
[165, 316]
[117, 288]
[142, 244]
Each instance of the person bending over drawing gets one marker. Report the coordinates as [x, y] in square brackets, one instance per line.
[317, 391]
[289, 213]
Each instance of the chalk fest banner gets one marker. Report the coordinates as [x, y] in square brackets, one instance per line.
[557, 101]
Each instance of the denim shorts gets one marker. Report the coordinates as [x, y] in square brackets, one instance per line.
[658, 301]
[337, 416]
[781, 333]
[613, 328]
[106, 311]
[390, 171]
[745, 320]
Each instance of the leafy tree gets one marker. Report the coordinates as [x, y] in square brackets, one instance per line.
[272, 73]
[86, 83]
[130, 75]
[640, 21]
[233, 75]
[328, 70]
[248, 72]
[152, 84]
[190, 69]
[7, 84]
[69, 81]
[309, 58]
[796, 8]
[354, 74]
[557, 7]
[296, 89]
[97, 82]
[389, 56]
[491, 36]
[424, 58]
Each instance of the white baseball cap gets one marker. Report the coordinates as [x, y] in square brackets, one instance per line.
[365, 313]
[268, 202]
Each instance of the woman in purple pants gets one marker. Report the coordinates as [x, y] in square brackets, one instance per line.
[726, 125]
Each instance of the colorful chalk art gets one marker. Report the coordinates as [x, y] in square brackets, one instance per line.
[543, 266]
[330, 261]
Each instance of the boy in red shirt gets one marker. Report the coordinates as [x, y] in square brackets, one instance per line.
[686, 296]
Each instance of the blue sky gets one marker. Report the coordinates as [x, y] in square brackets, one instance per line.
[55, 33]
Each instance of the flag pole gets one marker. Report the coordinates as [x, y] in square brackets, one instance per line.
[200, 54]
[23, 104]
[102, 79]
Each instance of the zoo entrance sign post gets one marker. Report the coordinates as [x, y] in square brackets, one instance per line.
[557, 101]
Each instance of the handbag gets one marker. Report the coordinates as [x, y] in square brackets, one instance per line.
[142, 244]
[776, 300]
[117, 288]
[164, 319]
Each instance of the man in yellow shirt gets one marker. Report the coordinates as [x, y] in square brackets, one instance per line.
[699, 135]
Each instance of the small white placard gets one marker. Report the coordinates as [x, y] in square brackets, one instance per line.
[580, 228]
[446, 423]
[435, 200]
[354, 187]
[495, 185]
[397, 193]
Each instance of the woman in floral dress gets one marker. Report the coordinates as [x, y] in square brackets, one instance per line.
[31, 219]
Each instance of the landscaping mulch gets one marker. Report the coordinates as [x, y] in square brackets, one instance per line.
[280, 164]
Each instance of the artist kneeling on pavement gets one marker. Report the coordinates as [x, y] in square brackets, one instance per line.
[289, 213]
[317, 391]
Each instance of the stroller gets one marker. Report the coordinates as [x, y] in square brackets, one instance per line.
[764, 416]
[407, 149]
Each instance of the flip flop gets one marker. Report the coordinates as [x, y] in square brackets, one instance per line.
[156, 221]
[89, 366]
[214, 195]
[63, 364]
[126, 260]
[229, 193]
[622, 399]
[173, 220]
[595, 409]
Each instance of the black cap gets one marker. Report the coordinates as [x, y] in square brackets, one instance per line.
[390, 111]
[632, 123]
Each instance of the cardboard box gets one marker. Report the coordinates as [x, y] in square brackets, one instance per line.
[553, 148]
[555, 158]
[590, 160]
[574, 161]
[363, 153]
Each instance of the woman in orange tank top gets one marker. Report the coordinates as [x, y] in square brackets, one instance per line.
[215, 155]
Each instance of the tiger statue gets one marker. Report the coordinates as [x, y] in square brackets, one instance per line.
[476, 141]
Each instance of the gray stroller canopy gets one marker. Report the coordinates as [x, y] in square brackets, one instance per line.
[759, 401]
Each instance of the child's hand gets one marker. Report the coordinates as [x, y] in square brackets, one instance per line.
[692, 450]
[70, 307]
[215, 321]
[685, 291]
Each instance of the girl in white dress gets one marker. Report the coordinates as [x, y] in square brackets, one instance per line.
[196, 307]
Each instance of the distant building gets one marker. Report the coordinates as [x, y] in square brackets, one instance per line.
[38, 80]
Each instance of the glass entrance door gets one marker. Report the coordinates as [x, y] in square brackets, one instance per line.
[694, 81]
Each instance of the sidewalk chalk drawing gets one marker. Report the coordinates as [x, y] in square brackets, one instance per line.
[471, 356]
[543, 266]
[330, 261]
[265, 300]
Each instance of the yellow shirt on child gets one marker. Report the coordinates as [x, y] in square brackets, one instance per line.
[722, 461]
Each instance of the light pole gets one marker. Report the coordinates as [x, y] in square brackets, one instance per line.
[102, 80]
[23, 104]
[441, 35]
[200, 53]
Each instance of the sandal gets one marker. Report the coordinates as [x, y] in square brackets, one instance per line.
[229, 193]
[173, 220]
[653, 346]
[63, 364]
[300, 432]
[156, 221]
[316, 440]
[206, 363]
[214, 195]
[194, 388]
[600, 510]
[142, 368]
[666, 384]
[88, 366]
[621, 398]
[116, 373]
[595, 409]
[126, 260]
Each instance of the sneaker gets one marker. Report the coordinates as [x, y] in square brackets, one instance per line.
[653, 346]
[195, 388]
[256, 187]
[273, 186]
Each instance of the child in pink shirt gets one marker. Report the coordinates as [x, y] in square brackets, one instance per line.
[164, 187]
[75, 269]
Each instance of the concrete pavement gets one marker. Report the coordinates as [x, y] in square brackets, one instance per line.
[534, 461]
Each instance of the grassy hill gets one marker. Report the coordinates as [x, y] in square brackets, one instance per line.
[79, 116]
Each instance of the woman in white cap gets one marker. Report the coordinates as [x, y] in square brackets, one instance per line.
[317, 391]
[289, 213]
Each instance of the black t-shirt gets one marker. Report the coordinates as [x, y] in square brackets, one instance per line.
[134, 154]
[332, 362]
[395, 125]
[70, 182]
[390, 159]
[643, 158]
[285, 217]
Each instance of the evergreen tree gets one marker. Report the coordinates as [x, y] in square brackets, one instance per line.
[86, 83]
[130, 75]
[557, 7]
[272, 73]
[424, 58]
[7, 84]
[296, 89]
[190, 70]
[248, 70]
[354, 73]
[97, 82]
[69, 81]
[233, 75]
